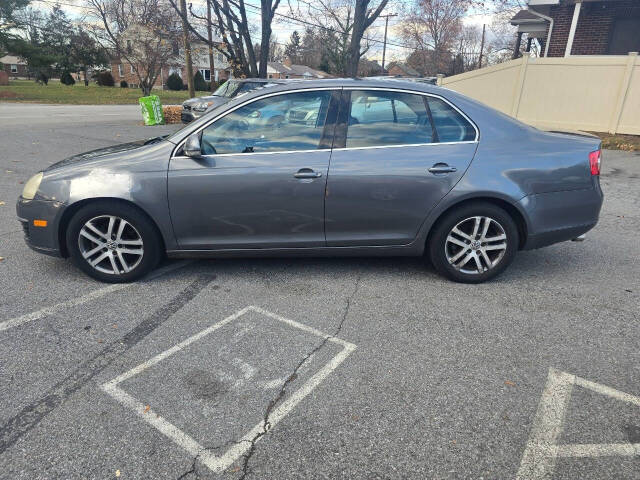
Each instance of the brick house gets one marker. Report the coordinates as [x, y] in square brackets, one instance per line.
[580, 27]
[122, 70]
[14, 67]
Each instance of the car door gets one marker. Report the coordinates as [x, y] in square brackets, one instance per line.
[396, 155]
[261, 180]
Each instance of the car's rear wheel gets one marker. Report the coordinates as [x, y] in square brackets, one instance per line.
[474, 243]
[113, 242]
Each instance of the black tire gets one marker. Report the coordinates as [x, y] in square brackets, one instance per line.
[142, 225]
[440, 249]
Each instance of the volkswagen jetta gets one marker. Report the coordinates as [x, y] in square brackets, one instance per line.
[330, 167]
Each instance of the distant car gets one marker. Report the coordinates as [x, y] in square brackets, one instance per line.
[196, 107]
[341, 167]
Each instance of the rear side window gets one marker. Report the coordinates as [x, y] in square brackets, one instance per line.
[449, 123]
[379, 118]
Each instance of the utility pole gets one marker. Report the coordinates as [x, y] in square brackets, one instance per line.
[481, 47]
[187, 48]
[210, 38]
[384, 47]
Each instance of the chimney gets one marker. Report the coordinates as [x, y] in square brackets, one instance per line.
[287, 62]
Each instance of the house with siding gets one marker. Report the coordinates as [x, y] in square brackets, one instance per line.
[579, 27]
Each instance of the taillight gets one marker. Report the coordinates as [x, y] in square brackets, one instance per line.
[594, 162]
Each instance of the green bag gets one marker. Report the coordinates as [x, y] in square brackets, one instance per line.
[152, 110]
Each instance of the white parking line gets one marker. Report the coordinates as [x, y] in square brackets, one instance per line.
[74, 302]
[213, 462]
[539, 458]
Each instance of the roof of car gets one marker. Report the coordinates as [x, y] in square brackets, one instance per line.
[366, 82]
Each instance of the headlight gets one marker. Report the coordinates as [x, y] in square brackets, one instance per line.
[31, 187]
[202, 106]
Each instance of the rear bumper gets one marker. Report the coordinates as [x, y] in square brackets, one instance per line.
[560, 216]
[41, 239]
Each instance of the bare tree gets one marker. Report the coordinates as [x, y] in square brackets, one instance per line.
[268, 10]
[434, 26]
[143, 32]
[363, 16]
[340, 30]
[231, 19]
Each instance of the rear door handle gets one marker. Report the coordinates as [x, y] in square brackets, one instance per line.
[307, 173]
[442, 168]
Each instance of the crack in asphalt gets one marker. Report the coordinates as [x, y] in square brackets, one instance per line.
[31, 415]
[266, 425]
[193, 469]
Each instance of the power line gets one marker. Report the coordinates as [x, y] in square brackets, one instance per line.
[288, 18]
[311, 24]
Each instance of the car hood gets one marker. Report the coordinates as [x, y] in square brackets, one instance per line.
[87, 157]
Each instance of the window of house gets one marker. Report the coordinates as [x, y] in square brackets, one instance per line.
[129, 46]
[293, 121]
[206, 74]
[625, 36]
[220, 57]
[120, 70]
[380, 118]
[131, 69]
[449, 123]
[14, 68]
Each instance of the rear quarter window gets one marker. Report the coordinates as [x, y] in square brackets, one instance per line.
[449, 123]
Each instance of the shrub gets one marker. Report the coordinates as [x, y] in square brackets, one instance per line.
[67, 79]
[42, 78]
[198, 82]
[124, 84]
[174, 82]
[105, 79]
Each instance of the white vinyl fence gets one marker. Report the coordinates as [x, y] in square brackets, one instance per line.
[591, 93]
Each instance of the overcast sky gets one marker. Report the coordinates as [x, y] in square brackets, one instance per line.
[284, 27]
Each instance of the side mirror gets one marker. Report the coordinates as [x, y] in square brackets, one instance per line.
[192, 146]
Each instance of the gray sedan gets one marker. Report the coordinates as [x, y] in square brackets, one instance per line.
[330, 167]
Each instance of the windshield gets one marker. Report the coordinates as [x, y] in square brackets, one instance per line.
[230, 88]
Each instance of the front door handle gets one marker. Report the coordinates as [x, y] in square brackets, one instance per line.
[442, 168]
[307, 173]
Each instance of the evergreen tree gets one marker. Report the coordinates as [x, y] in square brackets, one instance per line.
[293, 48]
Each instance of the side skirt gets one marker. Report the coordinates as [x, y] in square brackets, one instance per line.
[380, 251]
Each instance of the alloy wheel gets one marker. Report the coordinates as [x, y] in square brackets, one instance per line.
[110, 244]
[476, 245]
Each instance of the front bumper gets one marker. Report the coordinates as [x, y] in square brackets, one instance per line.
[41, 239]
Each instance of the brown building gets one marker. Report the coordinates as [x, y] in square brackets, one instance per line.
[396, 69]
[14, 67]
[287, 69]
[580, 27]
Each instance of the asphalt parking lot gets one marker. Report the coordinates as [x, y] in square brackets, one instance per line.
[314, 368]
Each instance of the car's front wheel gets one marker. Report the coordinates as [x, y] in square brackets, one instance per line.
[113, 242]
[474, 243]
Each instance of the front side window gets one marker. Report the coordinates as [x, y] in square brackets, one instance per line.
[449, 123]
[14, 68]
[380, 118]
[293, 121]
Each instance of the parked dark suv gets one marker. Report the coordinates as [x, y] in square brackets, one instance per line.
[196, 107]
